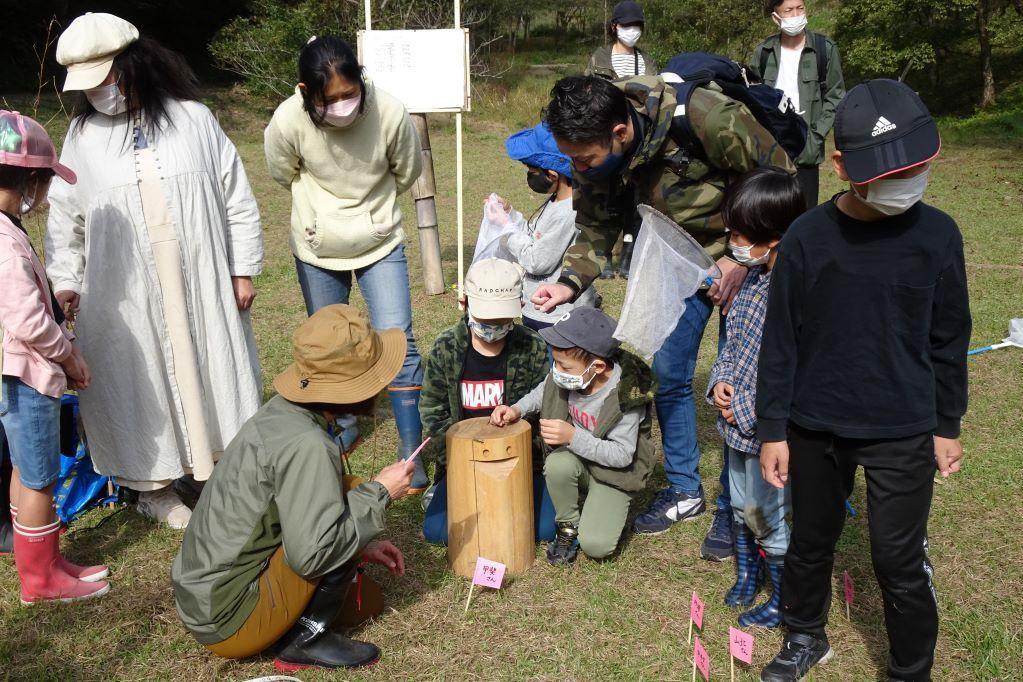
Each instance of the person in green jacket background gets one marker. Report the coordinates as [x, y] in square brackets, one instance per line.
[806, 66]
[277, 535]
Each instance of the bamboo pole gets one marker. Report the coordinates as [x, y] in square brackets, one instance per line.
[424, 192]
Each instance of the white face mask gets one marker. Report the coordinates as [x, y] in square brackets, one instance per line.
[107, 99]
[629, 35]
[744, 255]
[792, 26]
[572, 382]
[342, 113]
[893, 196]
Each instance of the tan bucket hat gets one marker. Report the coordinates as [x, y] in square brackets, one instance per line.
[340, 359]
[88, 45]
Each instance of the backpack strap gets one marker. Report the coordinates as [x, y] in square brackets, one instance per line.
[681, 131]
[763, 62]
[820, 49]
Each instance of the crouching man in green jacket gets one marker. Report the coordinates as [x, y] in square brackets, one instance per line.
[275, 539]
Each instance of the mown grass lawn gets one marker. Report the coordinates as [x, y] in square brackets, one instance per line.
[621, 619]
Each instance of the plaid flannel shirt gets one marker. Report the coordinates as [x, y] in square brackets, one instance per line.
[737, 362]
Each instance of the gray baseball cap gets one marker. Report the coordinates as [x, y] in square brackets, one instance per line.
[586, 328]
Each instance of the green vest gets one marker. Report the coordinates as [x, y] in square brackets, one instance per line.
[636, 388]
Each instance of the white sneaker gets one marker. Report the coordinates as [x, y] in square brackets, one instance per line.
[165, 506]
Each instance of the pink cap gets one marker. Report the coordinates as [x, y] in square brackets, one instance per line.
[25, 143]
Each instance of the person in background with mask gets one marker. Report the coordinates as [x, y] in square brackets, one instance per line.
[596, 413]
[622, 59]
[485, 360]
[345, 150]
[541, 242]
[39, 360]
[806, 66]
[863, 363]
[153, 253]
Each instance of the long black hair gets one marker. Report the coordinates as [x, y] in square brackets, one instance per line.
[320, 59]
[149, 74]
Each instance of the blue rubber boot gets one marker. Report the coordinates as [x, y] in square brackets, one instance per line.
[768, 614]
[747, 569]
[405, 405]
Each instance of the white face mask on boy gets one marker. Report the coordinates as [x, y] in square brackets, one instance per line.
[895, 196]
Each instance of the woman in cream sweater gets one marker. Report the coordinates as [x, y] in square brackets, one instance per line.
[346, 150]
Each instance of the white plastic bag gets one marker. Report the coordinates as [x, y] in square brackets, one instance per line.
[668, 266]
[496, 223]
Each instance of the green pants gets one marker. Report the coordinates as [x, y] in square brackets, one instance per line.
[603, 513]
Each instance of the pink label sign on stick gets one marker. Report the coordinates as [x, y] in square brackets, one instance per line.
[847, 585]
[701, 659]
[740, 645]
[696, 611]
[488, 573]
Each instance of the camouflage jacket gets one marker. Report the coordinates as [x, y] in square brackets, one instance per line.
[636, 389]
[687, 186]
[440, 404]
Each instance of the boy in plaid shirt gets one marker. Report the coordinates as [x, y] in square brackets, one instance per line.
[757, 211]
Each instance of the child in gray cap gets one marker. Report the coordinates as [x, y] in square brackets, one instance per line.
[595, 418]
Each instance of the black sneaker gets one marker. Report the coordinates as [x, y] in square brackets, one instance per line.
[717, 545]
[565, 547]
[799, 653]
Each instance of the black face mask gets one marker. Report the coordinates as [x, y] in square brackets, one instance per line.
[540, 183]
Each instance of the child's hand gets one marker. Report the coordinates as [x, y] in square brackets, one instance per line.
[723, 393]
[504, 415]
[556, 431]
[729, 416]
[387, 555]
[948, 454]
[774, 463]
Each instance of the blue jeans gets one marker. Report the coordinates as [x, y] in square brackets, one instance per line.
[30, 421]
[758, 504]
[384, 286]
[674, 365]
[435, 524]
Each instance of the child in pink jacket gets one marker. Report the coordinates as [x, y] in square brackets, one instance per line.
[38, 362]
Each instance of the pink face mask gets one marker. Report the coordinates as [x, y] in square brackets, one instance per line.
[342, 113]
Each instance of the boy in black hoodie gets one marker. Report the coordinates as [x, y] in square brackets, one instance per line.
[863, 362]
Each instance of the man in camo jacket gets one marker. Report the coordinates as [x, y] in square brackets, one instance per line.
[619, 133]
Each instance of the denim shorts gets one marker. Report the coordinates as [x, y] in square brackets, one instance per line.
[31, 423]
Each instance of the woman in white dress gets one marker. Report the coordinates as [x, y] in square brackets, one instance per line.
[153, 254]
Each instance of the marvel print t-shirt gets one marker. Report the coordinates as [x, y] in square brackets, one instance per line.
[482, 387]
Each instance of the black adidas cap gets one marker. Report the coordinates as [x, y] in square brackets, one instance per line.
[882, 127]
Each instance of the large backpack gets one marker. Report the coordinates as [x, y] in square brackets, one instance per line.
[770, 106]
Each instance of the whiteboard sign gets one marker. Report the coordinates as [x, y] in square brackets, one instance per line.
[427, 70]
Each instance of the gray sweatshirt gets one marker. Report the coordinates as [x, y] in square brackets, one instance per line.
[540, 250]
[617, 448]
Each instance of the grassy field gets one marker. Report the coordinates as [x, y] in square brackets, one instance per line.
[621, 619]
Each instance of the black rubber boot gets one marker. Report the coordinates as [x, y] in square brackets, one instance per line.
[6, 528]
[625, 260]
[311, 643]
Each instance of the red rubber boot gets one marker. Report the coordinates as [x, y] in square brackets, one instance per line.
[36, 554]
[88, 574]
